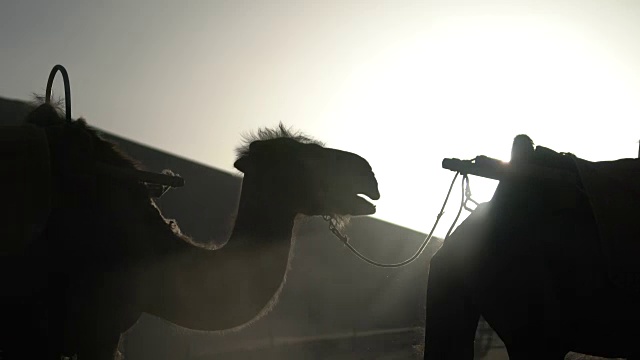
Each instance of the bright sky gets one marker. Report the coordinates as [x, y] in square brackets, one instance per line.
[402, 83]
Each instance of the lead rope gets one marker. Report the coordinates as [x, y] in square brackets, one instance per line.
[466, 197]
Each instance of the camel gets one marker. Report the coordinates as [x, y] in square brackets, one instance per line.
[532, 262]
[110, 255]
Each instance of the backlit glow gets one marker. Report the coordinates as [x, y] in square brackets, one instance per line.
[466, 87]
[403, 83]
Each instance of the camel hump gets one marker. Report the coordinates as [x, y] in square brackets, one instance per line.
[26, 179]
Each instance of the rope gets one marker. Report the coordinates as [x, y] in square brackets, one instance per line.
[466, 196]
[67, 88]
[463, 204]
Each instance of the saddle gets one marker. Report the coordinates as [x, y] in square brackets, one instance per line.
[26, 181]
[613, 189]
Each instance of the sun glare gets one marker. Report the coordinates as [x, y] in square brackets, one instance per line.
[467, 87]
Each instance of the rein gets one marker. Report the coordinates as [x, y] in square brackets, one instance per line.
[466, 197]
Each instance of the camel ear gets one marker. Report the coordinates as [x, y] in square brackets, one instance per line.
[258, 145]
[243, 164]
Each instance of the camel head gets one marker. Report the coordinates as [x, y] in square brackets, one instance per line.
[314, 179]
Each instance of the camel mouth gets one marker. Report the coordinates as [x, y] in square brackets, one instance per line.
[364, 204]
[349, 203]
[357, 204]
[373, 193]
[361, 198]
[353, 197]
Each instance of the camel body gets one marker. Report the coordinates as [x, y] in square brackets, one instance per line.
[549, 265]
[105, 254]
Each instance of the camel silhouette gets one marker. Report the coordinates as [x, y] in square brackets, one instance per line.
[538, 263]
[107, 254]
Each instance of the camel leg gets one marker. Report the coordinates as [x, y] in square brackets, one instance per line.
[96, 341]
[522, 328]
[452, 318]
[535, 354]
[519, 305]
[99, 349]
[27, 329]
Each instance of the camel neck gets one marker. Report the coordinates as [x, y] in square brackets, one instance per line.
[220, 289]
[262, 215]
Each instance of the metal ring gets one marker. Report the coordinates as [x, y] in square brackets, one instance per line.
[67, 88]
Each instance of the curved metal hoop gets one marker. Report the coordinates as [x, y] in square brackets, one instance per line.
[158, 184]
[67, 88]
